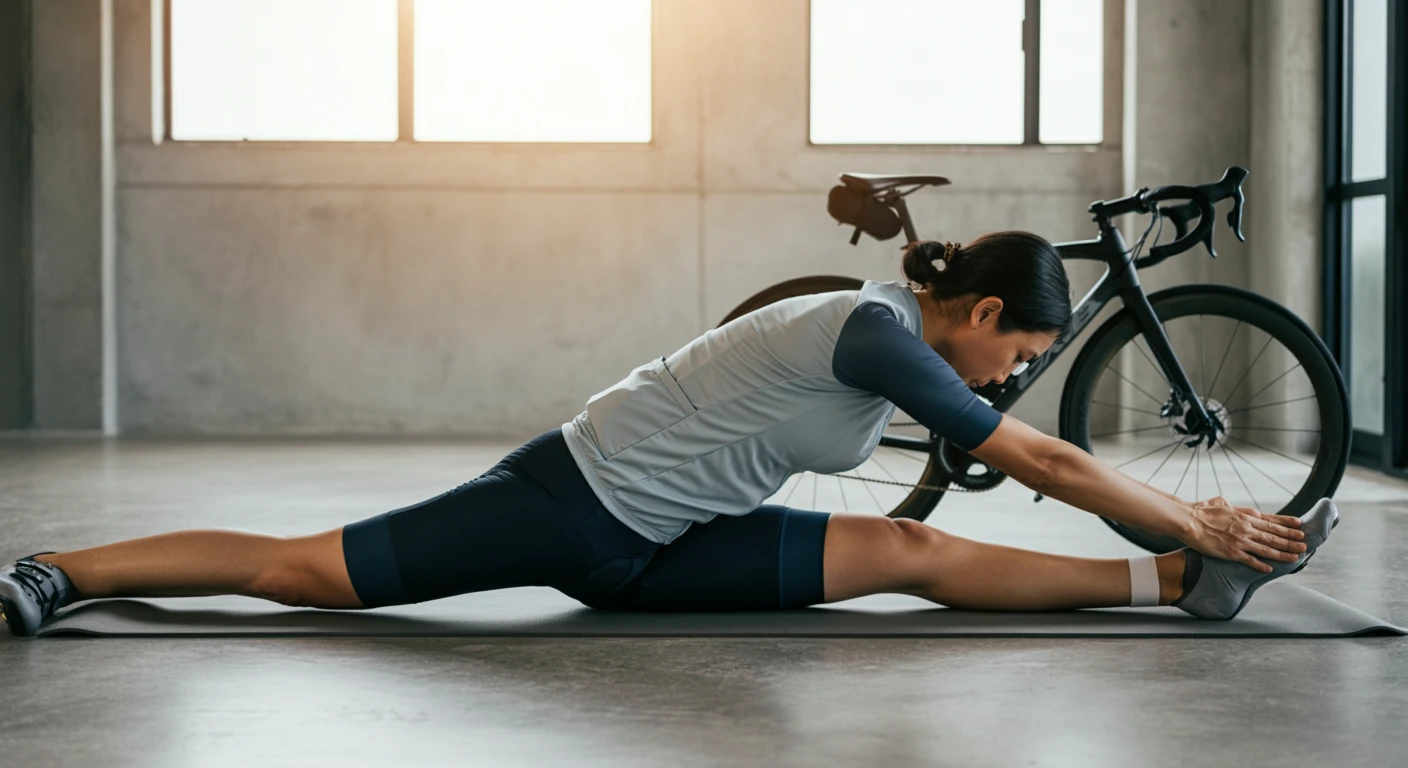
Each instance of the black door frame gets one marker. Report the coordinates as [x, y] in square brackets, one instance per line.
[1386, 452]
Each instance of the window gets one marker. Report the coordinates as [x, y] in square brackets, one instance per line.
[490, 70]
[469, 70]
[957, 72]
[1366, 279]
[283, 69]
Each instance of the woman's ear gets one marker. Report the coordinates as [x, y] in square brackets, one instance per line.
[985, 310]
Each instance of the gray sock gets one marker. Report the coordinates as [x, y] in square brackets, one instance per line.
[1218, 589]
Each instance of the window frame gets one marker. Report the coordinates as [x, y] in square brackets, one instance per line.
[1031, 91]
[1384, 452]
[405, 95]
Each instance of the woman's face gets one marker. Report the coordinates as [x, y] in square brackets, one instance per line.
[982, 354]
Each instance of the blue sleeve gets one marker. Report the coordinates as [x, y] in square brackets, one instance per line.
[874, 352]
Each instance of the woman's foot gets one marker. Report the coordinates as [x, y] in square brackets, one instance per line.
[1218, 589]
[30, 592]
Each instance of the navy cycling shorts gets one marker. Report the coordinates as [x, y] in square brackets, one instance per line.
[532, 520]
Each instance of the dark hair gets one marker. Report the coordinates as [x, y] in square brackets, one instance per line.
[1021, 268]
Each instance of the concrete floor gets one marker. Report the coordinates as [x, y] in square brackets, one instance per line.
[652, 701]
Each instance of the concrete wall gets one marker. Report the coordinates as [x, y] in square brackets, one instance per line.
[1287, 110]
[488, 290]
[1191, 74]
[67, 214]
[15, 376]
[1285, 225]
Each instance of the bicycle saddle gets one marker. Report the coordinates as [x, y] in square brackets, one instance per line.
[875, 182]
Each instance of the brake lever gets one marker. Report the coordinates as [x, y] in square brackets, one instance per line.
[1234, 216]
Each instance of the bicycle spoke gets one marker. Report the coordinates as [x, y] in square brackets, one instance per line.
[1202, 358]
[883, 468]
[1230, 463]
[912, 458]
[874, 498]
[1248, 462]
[1129, 431]
[1197, 473]
[1136, 386]
[1162, 463]
[1249, 400]
[845, 505]
[1275, 429]
[1157, 371]
[1272, 450]
[1184, 476]
[1127, 408]
[1269, 338]
[1212, 465]
[1268, 405]
[1150, 453]
[814, 482]
[795, 486]
[1224, 357]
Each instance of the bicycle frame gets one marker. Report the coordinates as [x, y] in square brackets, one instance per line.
[1119, 280]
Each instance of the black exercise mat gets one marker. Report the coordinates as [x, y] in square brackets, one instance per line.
[1277, 610]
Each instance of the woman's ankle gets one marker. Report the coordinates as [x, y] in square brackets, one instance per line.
[1170, 567]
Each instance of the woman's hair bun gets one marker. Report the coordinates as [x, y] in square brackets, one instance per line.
[925, 261]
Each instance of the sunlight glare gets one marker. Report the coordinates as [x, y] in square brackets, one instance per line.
[316, 70]
[533, 70]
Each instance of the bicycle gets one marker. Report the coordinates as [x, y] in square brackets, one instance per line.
[1097, 412]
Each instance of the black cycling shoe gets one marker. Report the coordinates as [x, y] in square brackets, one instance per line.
[30, 592]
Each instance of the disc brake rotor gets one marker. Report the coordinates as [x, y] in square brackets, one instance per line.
[1215, 434]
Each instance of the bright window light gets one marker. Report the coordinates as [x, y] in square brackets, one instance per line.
[917, 72]
[317, 70]
[1072, 77]
[532, 70]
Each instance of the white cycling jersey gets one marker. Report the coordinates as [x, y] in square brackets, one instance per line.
[804, 384]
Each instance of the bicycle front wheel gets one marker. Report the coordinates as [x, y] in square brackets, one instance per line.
[891, 480]
[1283, 432]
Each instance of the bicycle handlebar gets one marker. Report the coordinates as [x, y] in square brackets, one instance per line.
[1201, 201]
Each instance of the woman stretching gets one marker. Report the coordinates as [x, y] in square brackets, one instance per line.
[651, 497]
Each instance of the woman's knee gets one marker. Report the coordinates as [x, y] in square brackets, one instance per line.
[866, 554]
[305, 571]
[918, 552]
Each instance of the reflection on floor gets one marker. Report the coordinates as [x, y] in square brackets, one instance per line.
[653, 701]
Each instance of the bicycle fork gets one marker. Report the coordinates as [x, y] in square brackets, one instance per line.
[1186, 403]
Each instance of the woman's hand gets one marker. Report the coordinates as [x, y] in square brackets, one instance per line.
[1242, 534]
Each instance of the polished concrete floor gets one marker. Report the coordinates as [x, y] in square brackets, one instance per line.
[652, 701]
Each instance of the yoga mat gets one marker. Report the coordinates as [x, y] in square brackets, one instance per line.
[1277, 610]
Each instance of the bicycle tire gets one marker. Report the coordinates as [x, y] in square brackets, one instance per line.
[920, 502]
[1280, 323]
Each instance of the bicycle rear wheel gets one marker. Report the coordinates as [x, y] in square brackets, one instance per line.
[885, 483]
[1259, 370]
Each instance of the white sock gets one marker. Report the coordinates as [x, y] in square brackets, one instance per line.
[1143, 582]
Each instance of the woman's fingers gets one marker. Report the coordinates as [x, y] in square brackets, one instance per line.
[1278, 530]
[1265, 551]
[1286, 520]
[1272, 547]
[1252, 562]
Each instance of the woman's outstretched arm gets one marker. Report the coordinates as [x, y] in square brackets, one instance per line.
[1064, 472]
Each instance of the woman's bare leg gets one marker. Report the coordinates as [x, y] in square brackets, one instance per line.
[293, 570]
[866, 554]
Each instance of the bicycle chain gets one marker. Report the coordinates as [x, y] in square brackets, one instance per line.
[923, 486]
